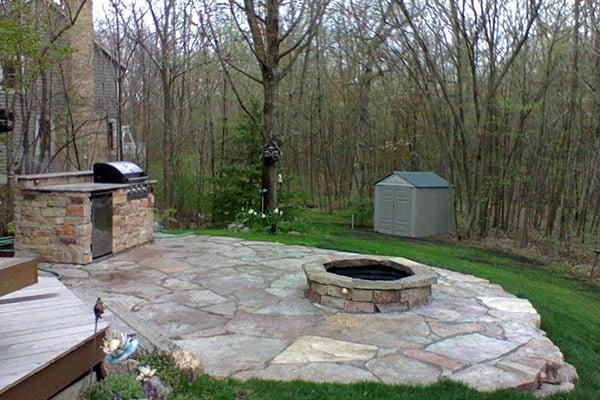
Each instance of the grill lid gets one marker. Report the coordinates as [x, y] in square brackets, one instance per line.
[118, 172]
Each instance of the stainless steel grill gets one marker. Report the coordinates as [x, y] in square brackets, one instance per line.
[118, 172]
[123, 172]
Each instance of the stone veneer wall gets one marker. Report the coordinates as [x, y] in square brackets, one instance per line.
[133, 220]
[55, 226]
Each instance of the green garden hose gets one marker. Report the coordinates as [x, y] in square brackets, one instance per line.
[51, 271]
[165, 235]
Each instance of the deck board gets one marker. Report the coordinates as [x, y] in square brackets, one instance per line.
[41, 326]
[16, 274]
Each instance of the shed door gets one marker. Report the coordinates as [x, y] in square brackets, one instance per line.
[386, 209]
[401, 217]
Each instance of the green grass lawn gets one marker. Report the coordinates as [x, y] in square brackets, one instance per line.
[569, 306]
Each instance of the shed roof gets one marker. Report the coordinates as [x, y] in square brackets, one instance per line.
[421, 179]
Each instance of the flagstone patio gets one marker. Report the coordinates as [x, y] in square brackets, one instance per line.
[240, 307]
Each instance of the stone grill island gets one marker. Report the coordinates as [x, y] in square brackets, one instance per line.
[75, 217]
[374, 284]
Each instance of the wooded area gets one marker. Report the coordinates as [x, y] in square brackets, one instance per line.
[323, 98]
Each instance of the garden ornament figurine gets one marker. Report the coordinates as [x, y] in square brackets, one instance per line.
[98, 312]
[118, 347]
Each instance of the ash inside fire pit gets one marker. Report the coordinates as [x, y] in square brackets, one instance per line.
[371, 271]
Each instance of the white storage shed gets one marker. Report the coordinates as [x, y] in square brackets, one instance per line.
[413, 204]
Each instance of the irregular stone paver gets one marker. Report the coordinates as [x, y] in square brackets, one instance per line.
[539, 354]
[472, 348]
[178, 285]
[226, 309]
[397, 369]
[508, 304]
[315, 372]
[445, 329]
[193, 298]
[447, 364]
[487, 378]
[520, 333]
[452, 309]
[226, 354]
[168, 265]
[394, 331]
[240, 307]
[253, 299]
[291, 281]
[176, 320]
[310, 349]
[291, 306]
[277, 326]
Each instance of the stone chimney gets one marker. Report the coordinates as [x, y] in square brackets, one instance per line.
[80, 78]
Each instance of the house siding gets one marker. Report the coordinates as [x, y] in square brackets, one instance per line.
[105, 100]
[3, 164]
[106, 84]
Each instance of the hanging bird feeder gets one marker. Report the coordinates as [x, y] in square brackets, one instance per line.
[271, 152]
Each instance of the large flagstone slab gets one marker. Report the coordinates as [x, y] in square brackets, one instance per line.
[403, 330]
[276, 326]
[309, 349]
[167, 265]
[509, 304]
[193, 298]
[443, 329]
[397, 369]
[452, 309]
[315, 372]
[226, 309]
[487, 378]
[472, 348]
[291, 306]
[291, 281]
[176, 320]
[224, 355]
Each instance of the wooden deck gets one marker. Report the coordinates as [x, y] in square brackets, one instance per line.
[46, 340]
[17, 273]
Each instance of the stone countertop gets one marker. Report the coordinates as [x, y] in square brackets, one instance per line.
[50, 175]
[80, 187]
[84, 187]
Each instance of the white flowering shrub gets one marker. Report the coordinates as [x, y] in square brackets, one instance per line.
[257, 220]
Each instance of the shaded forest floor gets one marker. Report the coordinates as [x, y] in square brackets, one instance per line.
[569, 304]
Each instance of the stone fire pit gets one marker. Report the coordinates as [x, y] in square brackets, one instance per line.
[374, 284]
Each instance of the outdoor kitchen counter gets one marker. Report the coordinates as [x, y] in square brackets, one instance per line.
[76, 217]
[83, 187]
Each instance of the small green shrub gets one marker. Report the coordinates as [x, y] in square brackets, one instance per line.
[166, 369]
[124, 385]
[362, 209]
[276, 221]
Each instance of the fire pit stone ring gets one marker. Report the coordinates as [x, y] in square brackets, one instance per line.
[370, 284]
